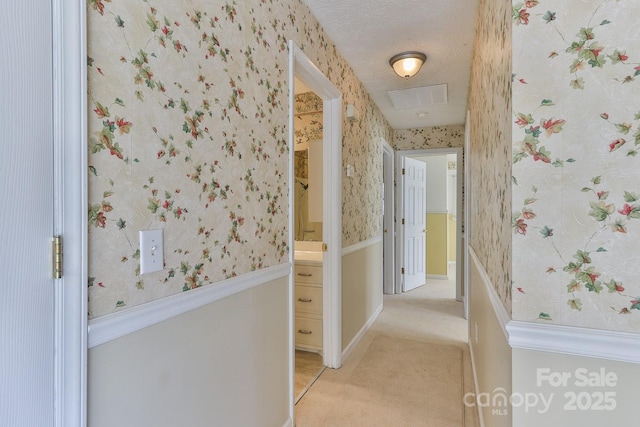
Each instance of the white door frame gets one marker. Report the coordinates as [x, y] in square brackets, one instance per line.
[400, 155]
[389, 232]
[305, 70]
[467, 222]
[70, 210]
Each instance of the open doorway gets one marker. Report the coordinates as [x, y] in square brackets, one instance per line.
[388, 219]
[441, 215]
[308, 239]
[320, 327]
[447, 221]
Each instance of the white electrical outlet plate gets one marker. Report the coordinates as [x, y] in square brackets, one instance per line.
[151, 251]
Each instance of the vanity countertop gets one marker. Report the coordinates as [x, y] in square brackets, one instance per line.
[308, 251]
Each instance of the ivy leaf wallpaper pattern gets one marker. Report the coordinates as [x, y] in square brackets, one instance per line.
[579, 269]
[489, 195]
[188, 132]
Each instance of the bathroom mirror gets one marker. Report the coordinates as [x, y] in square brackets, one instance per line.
[308, 167]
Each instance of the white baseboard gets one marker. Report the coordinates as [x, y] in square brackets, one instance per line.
[475, 383]
[347, 351]
[116, 325]
[288, 423]
[438, 276]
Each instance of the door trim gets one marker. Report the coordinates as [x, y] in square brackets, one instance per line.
[389, 231]
[400, 155]
[467, 222]
[70, 202]
[303, 68]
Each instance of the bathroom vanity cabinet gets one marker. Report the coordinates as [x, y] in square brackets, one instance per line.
[308, 305]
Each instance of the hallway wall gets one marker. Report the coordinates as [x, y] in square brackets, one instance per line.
[595, 393]
[188, 133]
[223, 364]
[576, 129]
[490, 348]
[576, 192]
[188, 129]
[361, 287]
[555, 210]
[433, 137]
[489, 230]
[490, 136]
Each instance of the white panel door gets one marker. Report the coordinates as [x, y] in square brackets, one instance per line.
[26, 215]
[415, 206]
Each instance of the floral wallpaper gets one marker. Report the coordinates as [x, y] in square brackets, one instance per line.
[490, 136]
[576, 176]
[188, 133]
[451, 136]
[362, 149]
[432, 137]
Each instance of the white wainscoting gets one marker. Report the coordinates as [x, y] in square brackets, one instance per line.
[347, 351]
[571, 340]
[116, 325]
[498, 308]
[359, 246]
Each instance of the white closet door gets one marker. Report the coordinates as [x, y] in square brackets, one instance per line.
[415, 216]
[26, 215]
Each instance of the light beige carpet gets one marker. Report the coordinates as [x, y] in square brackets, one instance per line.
[398, 382]
[411, 368]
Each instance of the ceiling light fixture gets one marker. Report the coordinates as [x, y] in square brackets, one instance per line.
[407, 64]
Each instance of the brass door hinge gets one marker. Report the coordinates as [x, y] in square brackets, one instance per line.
[402, 270]
[403, 171]
[56, 246]
[402, 221]
[325, 247]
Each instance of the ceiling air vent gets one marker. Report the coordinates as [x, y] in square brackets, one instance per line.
[419, 96]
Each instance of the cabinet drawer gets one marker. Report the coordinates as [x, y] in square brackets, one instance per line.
[308, 299]
[308, 331]
[308, 274]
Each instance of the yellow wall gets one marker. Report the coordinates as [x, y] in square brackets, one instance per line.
[451, 238]
[437, 243]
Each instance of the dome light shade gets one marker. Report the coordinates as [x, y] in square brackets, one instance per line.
[407, 64]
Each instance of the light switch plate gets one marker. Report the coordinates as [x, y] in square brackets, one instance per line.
[151, 251]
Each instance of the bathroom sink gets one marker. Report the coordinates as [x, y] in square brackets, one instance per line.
[308, 251]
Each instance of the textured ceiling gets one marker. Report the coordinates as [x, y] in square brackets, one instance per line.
[369, 32]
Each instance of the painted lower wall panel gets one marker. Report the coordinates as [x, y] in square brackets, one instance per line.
[437, 250]
[490, 350]
[226, 363]
[361, 288]
[567, 390]
[451, 238]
